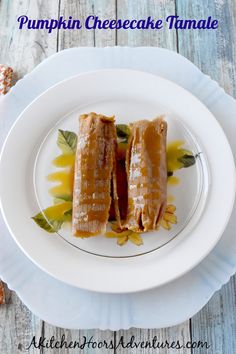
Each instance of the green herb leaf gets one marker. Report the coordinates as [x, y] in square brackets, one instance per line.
[52, 218]
[62, 198]
[123, 131]
[187, 160]
[68, 215]
[49, 226]
[67, 141]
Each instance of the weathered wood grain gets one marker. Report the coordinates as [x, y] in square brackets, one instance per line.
[23, 49]
[84, 37]
[17, 326]
[141, 9]
[213, 51]
[105, 9]
[216, 324]
[79, 10]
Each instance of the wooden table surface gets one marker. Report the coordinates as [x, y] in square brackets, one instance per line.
[214, 52]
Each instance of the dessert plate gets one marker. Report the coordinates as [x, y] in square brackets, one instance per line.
[127, 94]
[163, 306]
[195, 179]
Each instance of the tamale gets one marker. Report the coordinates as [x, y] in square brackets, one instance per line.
[146, 175]
[94, 168]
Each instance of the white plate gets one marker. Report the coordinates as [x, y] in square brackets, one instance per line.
[194, 179]
[113, 275]
[163, 306]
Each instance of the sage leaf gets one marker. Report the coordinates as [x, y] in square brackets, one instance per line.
[67, 141]
[60, 198]
[52, 218]
[49, 226]
[123, 131]
[187, 160]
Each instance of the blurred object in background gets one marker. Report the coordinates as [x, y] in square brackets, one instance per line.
[6, 75]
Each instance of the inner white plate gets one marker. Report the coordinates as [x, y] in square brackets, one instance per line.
[193, 179]
[130, 95]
